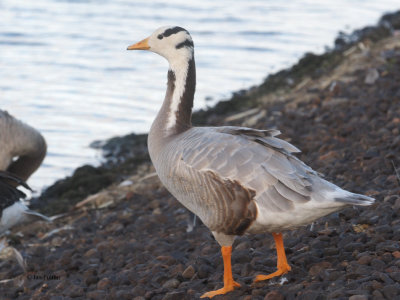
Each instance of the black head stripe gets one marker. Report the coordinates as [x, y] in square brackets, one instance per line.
[173, 30]
[185, 43]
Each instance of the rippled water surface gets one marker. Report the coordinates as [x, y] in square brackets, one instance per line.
[64, 68]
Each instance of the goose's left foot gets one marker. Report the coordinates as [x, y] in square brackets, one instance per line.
[279, 272]
[283, 266]
[229, 283]
[224, 290]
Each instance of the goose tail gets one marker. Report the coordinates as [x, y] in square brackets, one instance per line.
[354, 199]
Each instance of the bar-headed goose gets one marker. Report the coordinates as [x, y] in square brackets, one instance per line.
[236, 180]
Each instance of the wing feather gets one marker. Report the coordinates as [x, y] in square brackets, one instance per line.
[255, 159]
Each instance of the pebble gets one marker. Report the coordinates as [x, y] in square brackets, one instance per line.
[175, 296]
[365, 260]
[310, 295]
[189, 272]
[378, 264]
[319, 267]
[391, 291]
[75, 291]
[204, 271]
[104, 283]
[377, 295]
[358, 297]
[274, 295]
[97, 294]
[91, 252]
[171, 284]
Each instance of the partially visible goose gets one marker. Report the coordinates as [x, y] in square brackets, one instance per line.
[21, 141]
[237, 180]
[12, 210]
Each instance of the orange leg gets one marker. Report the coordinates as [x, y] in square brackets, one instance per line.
[229, 283]
[283, 266]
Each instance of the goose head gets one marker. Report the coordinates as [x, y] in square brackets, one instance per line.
[173, 43]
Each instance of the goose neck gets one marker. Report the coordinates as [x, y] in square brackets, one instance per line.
[176, 112]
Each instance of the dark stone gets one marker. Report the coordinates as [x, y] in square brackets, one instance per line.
[274, 295]
[331, 251]
[353, 246]
[365, 260]
[395, 276]
[363, 270]
[389, 246]
[246, 270]
[75, 291]
[175, 296]
[358, 297]
[310, 295]
[97, 294]
[204, 271]
[378, 264]
[337, 294]
[391, 291]
[139, 290]
[188, 272]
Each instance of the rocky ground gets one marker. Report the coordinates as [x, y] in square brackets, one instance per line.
[122, 235]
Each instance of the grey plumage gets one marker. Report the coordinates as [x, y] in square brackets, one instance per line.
[235, 179]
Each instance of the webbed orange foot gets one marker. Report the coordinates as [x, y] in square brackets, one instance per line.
[222, 291]
[283, 266]
[229, 283]
[279, 272]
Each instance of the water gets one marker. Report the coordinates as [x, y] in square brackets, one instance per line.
[64, 68]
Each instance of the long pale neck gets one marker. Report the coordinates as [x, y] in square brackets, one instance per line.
[175, 114]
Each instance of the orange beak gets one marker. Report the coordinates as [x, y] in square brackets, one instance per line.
[142, 45]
